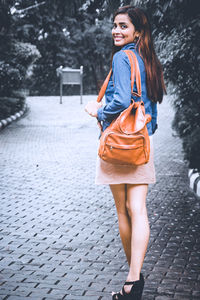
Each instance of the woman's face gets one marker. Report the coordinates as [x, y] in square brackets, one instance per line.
[123, 31]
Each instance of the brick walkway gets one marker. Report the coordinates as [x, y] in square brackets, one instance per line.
[59, 234]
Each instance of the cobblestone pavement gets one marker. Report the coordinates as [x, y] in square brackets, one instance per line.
[59, 235]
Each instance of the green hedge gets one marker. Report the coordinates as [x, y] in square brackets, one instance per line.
[15, 68]
[16, 61]
[10, 105]
[179, 54]
[176, 29]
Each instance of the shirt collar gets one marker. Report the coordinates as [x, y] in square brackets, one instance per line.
[129, 46]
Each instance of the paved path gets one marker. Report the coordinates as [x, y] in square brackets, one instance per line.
[59, 235]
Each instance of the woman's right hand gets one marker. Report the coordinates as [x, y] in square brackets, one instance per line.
[92, 107]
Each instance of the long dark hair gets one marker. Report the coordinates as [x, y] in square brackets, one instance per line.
[154, 73]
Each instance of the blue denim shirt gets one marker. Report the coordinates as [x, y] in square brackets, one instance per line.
[118, 92]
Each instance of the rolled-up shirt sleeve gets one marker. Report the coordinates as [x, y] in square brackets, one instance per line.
[122, 88]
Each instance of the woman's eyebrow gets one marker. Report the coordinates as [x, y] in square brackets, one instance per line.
[120, 23]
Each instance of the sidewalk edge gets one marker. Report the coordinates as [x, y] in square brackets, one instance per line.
[16, 116]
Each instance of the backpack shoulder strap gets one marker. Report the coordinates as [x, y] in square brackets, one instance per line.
[134, 65]
[135, 73]
[104, 86]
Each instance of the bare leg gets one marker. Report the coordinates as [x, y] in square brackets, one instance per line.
[119, 192]
[136, 206]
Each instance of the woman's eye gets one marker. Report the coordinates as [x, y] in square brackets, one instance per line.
[123, 26]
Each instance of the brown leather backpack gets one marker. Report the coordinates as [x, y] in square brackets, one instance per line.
[126, 140]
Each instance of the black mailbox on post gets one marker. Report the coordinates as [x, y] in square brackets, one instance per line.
[70, 76]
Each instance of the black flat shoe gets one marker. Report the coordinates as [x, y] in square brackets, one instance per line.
[135, 293]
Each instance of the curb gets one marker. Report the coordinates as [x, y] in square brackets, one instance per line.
[9, 120]
[194, 178]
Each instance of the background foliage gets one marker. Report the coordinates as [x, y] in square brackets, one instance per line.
[16, 59]
[38, 36]
[177, 30]
[67, 33]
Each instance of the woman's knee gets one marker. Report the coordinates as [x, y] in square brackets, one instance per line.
[136, 200]
[134, 208]
[124, 221]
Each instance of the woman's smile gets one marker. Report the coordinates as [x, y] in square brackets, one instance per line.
[117, 38]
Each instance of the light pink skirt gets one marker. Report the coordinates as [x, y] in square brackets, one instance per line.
[107, 173]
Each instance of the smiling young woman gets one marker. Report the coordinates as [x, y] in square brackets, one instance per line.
[129, 184]
[123, 31]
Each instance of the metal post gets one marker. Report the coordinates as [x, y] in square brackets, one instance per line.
[61, 87]
[81, 84]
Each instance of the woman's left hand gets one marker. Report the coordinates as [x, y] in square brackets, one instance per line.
[92, 107]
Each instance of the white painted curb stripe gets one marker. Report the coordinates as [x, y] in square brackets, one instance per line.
[194, 178]
[17, 115]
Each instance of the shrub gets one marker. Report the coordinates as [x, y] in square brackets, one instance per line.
[16, 59]
[10, 105]
[10, 79]
[14, 70]
[179, 54]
